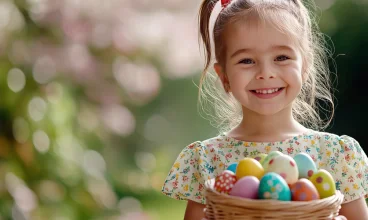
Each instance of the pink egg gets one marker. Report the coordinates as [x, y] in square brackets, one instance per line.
[246, 187]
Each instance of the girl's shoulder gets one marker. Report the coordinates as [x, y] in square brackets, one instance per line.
[345, 141]
[219, 141]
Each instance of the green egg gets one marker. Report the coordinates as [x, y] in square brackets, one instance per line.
[269, 157]
[260, 157]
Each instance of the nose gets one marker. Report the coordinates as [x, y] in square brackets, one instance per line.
[265, 72]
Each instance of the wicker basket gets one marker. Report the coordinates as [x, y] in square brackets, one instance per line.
[224, 207]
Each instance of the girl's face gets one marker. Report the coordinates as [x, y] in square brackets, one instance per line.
[263, 67]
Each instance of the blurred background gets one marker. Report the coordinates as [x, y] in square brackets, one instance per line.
[97, 99]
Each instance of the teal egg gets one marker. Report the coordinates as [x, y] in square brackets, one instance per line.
[305, 164]
[232, 167]
[273, 186]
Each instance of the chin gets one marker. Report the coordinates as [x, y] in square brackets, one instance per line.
[267, 111]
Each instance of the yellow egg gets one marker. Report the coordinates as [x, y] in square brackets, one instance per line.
[249, 167]
[324, 183]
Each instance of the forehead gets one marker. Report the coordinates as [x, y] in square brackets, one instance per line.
[257, 34]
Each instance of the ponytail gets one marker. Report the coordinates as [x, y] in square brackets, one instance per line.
[204, 16]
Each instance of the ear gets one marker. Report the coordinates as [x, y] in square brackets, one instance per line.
[222, 75]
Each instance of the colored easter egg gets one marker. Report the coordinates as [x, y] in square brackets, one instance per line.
[305, 164]
[324, 182]
[273, 186]
[303, 190]
[246, 187]
[249, 167]
[269, 157]
[225, 181]
[260, 157]
[285, 166]
[232, 167]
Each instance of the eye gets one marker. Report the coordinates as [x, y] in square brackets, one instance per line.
[282, 58]
[247, 61]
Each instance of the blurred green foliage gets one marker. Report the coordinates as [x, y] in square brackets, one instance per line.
[79, 139]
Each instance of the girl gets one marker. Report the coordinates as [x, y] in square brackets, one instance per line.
[272, 65]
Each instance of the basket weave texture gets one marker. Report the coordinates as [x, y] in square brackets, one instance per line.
[224, 207]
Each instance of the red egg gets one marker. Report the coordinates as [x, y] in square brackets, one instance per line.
[304, 190]
[225, 181]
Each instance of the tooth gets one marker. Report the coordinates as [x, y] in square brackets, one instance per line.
[264, 92]
[270, 91]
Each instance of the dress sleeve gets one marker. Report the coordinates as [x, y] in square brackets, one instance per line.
[188, 174]
[351, 170]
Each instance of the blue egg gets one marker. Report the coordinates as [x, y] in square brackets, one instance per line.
[232, 167]
[306, 165]
[273, 186]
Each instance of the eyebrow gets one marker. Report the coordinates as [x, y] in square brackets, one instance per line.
[245, 50]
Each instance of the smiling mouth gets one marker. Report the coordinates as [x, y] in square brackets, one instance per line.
[267, 91]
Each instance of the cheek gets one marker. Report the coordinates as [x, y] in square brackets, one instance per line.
[293, 77]
[239, 78]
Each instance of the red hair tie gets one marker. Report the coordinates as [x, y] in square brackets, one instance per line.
[224, 3]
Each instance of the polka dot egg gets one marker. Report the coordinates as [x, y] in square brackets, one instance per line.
[225, 181]
[260, 157]
[304, 190]
[324, 183]
[286, 167]
[306, 165]
[273, 186]
[269, 157]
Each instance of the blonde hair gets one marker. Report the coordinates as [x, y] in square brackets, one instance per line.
[223, 110]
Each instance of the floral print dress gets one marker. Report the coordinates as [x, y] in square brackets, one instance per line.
[342, 156]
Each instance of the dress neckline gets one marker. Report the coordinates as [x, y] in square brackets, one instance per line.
[293, 138]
